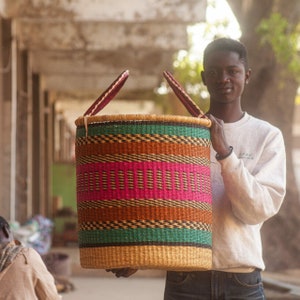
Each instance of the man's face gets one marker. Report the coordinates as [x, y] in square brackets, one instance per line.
[225, 76]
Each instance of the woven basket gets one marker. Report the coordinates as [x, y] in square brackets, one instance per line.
[143, 192]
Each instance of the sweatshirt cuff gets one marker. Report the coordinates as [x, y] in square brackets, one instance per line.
[229, 163]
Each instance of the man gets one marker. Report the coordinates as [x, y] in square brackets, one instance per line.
[248, 183]
[23, 275]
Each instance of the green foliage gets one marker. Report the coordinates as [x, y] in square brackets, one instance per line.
[284, 40]
[188, 72]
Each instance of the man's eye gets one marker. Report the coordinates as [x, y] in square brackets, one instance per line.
[212, 73]
[233, 72]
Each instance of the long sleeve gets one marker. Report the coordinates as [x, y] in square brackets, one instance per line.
[248, 187]
[44, 285]
[27, 278]
[257, 196]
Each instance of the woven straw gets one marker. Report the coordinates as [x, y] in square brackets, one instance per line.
[143, 192]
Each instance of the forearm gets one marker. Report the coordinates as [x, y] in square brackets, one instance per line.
[254, 198]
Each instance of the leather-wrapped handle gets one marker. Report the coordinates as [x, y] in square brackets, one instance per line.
[118, 83]
[186, 100]
[107, 95]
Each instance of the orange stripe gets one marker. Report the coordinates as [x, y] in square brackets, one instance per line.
[144, 147]
[142, 213]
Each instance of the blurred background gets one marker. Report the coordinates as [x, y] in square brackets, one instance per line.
[58, 56]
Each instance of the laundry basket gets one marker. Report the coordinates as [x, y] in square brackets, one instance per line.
[143, 188]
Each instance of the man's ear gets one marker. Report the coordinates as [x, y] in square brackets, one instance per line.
[247, 76]
[203, 77]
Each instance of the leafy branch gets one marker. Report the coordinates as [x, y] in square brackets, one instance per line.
[284, 40]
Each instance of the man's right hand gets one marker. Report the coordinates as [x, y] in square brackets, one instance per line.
[218, 139]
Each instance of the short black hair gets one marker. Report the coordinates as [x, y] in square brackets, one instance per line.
[3, 223]
[227, 44]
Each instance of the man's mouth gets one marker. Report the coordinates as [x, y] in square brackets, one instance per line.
[224, 89]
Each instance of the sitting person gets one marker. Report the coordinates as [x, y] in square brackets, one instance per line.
[23, 274]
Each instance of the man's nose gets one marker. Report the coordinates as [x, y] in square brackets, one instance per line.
[223, 77]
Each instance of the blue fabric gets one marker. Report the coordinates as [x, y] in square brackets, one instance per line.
[214, 285]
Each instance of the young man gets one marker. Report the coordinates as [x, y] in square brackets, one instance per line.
[23, 274]
[248, 184]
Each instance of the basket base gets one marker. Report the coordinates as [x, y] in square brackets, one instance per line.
[172, 258]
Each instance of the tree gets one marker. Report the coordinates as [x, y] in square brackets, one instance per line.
[271, 95]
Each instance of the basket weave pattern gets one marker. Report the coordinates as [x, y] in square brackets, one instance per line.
[143, 192]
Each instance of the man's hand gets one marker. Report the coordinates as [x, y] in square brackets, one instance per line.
[123, 272]
[218, 139]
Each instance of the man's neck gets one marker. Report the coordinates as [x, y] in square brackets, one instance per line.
[227, 114]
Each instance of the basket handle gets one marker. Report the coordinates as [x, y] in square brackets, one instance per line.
[186, 100]
[107, 95]
[117, 84]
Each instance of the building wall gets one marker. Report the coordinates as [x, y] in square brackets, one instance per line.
[5, 121]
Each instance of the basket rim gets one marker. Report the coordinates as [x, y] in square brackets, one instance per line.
[86, 120]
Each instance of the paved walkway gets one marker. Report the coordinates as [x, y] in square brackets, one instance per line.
[149, 284]
[144, 288]
[99, 288]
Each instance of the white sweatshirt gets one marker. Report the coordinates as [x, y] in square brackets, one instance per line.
[248, 188]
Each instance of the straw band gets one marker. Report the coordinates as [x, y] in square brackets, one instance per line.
[147, 257]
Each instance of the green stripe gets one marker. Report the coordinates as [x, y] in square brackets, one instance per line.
[140, 235]
[125, 128]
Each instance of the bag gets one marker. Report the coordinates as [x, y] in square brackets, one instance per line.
[143, 187]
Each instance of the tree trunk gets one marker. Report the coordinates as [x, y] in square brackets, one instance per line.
[270, 95]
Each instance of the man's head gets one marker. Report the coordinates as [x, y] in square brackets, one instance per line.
[227, 44]
[5, 233]
[225, 72]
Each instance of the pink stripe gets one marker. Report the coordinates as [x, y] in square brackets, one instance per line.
[143, 180]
